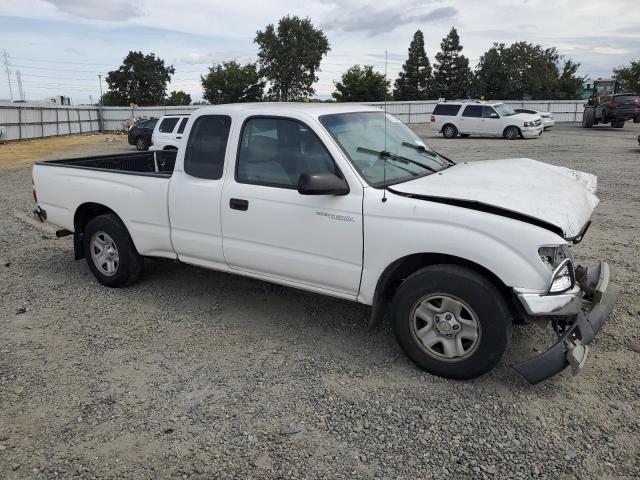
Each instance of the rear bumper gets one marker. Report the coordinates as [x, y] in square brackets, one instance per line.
[572, 346]
[548, 122]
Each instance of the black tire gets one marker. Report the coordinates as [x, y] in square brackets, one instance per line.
[465, 135]
[588, 117]
[449, 131]
[142, 143]
[618, 124]
[128, 263]
[482, 298]
[511, 133]
[170, 148]
[636, 119]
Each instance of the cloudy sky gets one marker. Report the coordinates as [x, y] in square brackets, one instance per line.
[60, 46]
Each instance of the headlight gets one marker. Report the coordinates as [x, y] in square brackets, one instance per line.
[559, 259]
[529, 124]
[563, 278]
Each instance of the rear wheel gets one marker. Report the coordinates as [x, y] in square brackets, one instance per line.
[588, 117]
[636, 119]
[142, 143]
[449, 131]
[511, 133]
[618, 124]
[110, 252]
[451, 321]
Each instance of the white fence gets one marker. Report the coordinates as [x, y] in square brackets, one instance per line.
[21, 121]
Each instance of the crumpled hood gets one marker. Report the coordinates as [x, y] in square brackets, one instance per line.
[555, 195]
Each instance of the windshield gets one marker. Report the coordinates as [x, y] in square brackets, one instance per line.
[361, 135]
[503, 110]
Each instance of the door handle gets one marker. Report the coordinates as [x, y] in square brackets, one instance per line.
[179, 137]
[239, 204]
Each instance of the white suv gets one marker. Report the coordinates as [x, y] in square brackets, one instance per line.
[483, 118]
[167, 134]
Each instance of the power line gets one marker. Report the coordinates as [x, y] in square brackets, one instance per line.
[5, 56]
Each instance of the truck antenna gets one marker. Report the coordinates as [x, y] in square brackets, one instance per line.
[384, 153]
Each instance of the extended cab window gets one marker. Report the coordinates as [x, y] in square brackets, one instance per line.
[168, 124]
[443, 109]
[472, 111]
[276, 151]
[206, 147]
[183, 124]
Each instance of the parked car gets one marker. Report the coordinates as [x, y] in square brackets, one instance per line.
[496, 119]
[167, 134]
[347, 201]
[611, 108]
[140, 133]
[547, 117]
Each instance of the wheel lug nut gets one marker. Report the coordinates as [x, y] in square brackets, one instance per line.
[456, 327]
[448, 316]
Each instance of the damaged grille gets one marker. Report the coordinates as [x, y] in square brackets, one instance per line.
[537, 123]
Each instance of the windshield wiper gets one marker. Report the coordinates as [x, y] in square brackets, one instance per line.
[392, 156]
[423, 149]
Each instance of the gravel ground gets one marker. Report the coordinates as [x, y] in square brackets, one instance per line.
[192, 373]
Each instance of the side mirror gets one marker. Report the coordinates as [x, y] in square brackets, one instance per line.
[322, 184]
[494, 115]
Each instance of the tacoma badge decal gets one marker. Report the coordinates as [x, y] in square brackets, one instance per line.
[342, 218]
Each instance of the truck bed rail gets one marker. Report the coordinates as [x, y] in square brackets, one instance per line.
[153, 163]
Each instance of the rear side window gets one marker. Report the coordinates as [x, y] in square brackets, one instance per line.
[183, 124]
[444, 109]
[472, 111]
[626, 98]
[168, 124]
[276, 151]
[206, 147]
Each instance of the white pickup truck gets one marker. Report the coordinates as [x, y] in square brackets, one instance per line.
[347, 201]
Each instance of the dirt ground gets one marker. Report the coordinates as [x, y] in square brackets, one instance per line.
[193, 373]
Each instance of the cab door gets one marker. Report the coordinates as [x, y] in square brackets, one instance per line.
[195, 191]
[271, 230]
[490, 123]
[470, 119]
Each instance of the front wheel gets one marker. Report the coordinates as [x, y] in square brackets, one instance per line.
[451, 321]
[636, 119]
[618, 124]
[110, 252]
[511, 133]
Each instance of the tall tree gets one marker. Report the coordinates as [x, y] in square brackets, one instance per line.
[524, 70]
[414, 81]
[233, 83]
[452, 77]
[290, 56]
[141, 79]
[179, 98]
[629, 75]
[361, 84]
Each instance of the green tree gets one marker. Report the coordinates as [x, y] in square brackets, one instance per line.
[524, 70]
[109, 100]
[414, 81]
[232, 83]
[290, 56]
[179, 98]
[452, 77]
[141, 79]
[361, 84]
[629, 75]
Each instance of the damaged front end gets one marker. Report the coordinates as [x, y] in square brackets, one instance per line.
[578, 303]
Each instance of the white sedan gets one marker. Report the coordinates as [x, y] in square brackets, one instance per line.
[547, 117]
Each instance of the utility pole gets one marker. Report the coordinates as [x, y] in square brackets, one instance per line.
[5, 57]
[20, 90]
[100, 124]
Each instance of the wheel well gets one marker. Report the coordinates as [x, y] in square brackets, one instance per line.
[85, 213]
[170, 147]
[509, 126]
[402, 268]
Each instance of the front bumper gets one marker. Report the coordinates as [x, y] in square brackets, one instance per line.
[572, 346]
[531, 132]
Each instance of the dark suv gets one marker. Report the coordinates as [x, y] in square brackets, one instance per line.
[140, 133]
[616, 109]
